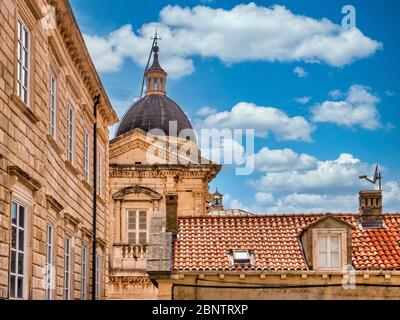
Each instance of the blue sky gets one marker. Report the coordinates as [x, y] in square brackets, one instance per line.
[229, 53]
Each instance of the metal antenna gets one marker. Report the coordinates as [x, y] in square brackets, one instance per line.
[155, 38]
[377, 177]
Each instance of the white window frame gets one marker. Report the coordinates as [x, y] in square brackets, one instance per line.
[49, 262]
[67, 267]
[53, 105]
[70, 132]
[98, 277]
[23, 65]
[329, 232]
[14, 272]
[84, 273]
[100, 168]
[137, 230]
[86, 158]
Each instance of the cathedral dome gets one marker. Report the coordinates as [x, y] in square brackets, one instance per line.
[155, 110]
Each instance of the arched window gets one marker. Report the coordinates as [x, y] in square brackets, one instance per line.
[155, 81]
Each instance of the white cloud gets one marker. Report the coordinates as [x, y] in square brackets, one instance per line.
[300, 72]
[205, 111]
[264, 198]
[336, 94]
[314, 203]
[333, 176]
[391, 195]
[267, 34]
[358, 109]
[280, 160]
[263, 120]
[302, 100]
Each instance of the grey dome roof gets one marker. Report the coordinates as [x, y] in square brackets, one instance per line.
[153, 111]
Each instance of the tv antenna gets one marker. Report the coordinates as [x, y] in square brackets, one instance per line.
[155, 39]
[377, 177]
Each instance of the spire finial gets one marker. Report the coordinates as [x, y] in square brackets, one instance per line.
[155, 40]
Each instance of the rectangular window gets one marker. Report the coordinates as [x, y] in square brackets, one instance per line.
[137, 227]
[49, 262]
[53, 106]
[329, 251]
[70, 133]
[98, 277]
[23, 48]
[87, 155]
[17, 251]
[83, 279]
[100, 173]
[67, 267]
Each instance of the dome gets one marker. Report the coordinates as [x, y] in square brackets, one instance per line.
[154, 111]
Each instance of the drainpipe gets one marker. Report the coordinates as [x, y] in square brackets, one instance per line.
[96, 102]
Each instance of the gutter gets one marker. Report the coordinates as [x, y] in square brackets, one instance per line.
[96, 102]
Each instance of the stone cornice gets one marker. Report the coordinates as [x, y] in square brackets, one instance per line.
[24, 178]
[70, 219]
[164, 170]
[54, 203]
[136, 189]
[80, 56]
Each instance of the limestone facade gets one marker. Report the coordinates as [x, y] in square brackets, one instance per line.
[163, 191]
[47, 85]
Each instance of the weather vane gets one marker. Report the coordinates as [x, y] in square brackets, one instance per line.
[377, 177]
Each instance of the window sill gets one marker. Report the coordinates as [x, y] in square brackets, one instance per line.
[100, 199]
[54, 144]
[71, 167]
[32, 116]
[87, 185]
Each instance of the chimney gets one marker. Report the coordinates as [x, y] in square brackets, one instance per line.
[370, 206]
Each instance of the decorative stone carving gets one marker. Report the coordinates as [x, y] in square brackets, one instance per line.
[130, 280]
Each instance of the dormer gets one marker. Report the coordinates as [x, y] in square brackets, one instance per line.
[326, 243]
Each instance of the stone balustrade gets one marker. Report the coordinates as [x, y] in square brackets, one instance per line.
[129, 256]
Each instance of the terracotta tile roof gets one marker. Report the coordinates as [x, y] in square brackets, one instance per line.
[204, 242]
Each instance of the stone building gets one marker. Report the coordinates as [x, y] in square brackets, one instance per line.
[47, 85]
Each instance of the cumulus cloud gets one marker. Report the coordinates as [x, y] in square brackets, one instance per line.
[205, 111]
[280, 160]
[340, 176]
[267, 34]
[300, 72]
[314, 203]
[325, 186]
[302, 100]
[359, 108]
[262, 119]
[336, 94]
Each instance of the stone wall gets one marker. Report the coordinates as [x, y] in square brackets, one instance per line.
[60, 196]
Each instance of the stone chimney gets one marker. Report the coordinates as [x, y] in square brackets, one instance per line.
[370, 205]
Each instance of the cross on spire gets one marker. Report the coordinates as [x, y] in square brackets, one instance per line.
[155, 38]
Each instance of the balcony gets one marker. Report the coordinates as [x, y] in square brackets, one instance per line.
[129, 257]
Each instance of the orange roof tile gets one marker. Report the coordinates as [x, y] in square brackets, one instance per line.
[204, 242]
